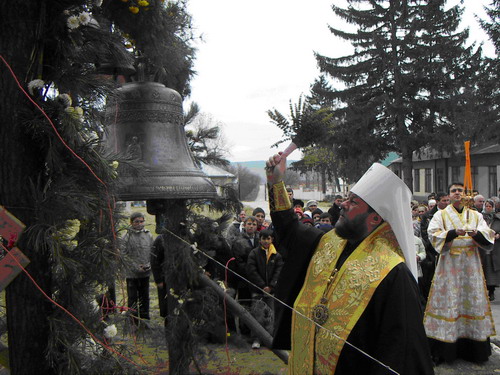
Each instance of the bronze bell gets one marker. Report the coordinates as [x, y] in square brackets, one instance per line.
[145, 129]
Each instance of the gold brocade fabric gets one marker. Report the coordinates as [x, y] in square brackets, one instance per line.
[316, 351]
[278, 197]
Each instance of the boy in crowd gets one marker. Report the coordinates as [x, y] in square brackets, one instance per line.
[260, 215]
[325, 222]
[241, 248]
[298, 203]
[263, 269]
[136, 247]
[236, 227]
[316, 215]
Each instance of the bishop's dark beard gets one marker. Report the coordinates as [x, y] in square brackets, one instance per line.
[352, 230]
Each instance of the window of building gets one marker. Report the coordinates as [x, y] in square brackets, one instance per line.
[416, 180]
[492, 180]
[455, 174]
[428, 180]
[440, 179]
[474, 173]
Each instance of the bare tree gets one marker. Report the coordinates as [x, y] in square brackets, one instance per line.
[206, 138]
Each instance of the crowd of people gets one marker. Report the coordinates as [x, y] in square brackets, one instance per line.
[259, 256]
[452, 247]
[252, 242]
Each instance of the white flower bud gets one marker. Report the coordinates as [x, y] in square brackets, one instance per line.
[35, 84]
[110, 331]
[73, 22]
[84, 18]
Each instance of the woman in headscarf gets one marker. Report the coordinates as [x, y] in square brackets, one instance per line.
[491, 259]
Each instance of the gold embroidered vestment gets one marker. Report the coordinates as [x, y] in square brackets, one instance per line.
[343, 294]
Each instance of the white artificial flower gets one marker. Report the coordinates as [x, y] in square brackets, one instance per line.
[35, 84]
[95, 306]
[110, 331]
[84, 18]
[79, 111]
[75, 112]
[65, 100]
[73, 22]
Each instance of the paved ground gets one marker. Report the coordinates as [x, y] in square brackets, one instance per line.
[490, 367]
[260, 201]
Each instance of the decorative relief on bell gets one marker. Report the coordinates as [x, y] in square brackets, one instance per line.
[155, 94]
[151, 116]
[134, 147]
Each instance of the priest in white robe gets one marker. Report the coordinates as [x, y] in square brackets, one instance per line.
[458, 319]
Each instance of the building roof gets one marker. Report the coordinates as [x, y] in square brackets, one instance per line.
[214, 171]
[489, 149]
[391, 156]
[428, 153]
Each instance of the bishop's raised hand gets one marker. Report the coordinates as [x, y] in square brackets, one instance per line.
[275, 168]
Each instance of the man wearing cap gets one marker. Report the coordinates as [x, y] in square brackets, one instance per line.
[458, 318]
[310, 207]
[353, 289]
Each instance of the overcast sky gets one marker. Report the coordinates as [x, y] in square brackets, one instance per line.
[257, 55]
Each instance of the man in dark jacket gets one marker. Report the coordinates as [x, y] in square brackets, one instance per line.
[263, 268]
[241, 248]
[334, 211]
[430, 261]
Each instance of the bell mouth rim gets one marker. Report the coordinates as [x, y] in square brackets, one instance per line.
[149, 172]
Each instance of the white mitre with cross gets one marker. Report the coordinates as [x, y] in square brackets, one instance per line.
[387, 194]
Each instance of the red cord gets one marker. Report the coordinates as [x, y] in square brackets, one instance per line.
[66, 311]
[108, 204]
[137, 349]
[63, 142]
[225, 319]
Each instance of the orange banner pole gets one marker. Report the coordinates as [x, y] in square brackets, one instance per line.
[467, 172]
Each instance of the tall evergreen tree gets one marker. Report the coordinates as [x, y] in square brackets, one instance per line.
[487, 87]
[492, 26]
[55, 174]
[408, 65]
